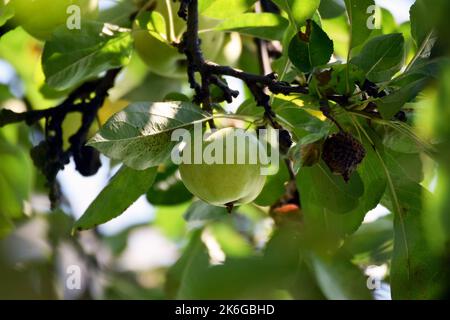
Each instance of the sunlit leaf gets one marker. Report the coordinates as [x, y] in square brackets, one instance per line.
[299, 10]
[130, 184]
[140, 135]
[73, 56]
[221, 9]
[262, 25]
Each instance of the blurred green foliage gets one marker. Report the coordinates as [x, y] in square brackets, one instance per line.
[318, 248]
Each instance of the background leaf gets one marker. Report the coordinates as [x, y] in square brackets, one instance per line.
[415, 271]
[73, 56]
[421, 22]
[299, 10]
[221, 9]
[339, 279]
[6, 12]
[330, 9]
[200, 211]
[267, 26]
[16, 181]
[122, 191]
[358, 17]
[381, 57]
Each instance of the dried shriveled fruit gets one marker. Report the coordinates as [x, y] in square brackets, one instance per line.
[342, 153]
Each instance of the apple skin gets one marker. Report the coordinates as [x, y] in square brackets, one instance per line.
[40, 17]
[155, 48]
[224, 184]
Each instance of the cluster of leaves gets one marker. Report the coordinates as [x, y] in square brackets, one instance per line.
[319, 247]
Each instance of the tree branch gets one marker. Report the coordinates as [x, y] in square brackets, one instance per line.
[49, 156]
[210, 72]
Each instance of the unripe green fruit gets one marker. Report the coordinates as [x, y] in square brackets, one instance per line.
[153, 39]
[225, 184]
[41, 17]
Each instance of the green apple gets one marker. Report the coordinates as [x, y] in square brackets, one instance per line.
[225, 184]
[40, 17]
[155, 31]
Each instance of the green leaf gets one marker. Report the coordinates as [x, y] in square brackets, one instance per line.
[394, 102]
[310, 49]
[299, 10]
[119, 14]
[415, 271]
[169, 220]
[421, 22]
[374, 181]
[16, 178]
[122, 191]
[249, 108]
[330, 9]
[331, 81]
[18, 48]
[221, 9]
[382, 57]
[140, 135]
[407, 86]
[267, 26]
[306, 127]
[168, 189]
[339, 279]
[201, 211]
[399, 142]
[304, 286]
[238, 278]
[403, 166]
[232, 241]
[195, 257]
[358, 17]
[329, 191]
[72, 56]
[436, 218]
[6, 225]
[338, 30]
[370, 237]
[6, 12]
[274, 187]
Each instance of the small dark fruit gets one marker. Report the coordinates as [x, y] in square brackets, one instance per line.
[342, 153]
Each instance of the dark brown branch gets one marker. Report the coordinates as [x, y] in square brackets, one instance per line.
[210, 72]
[49, 156]
[100, 87]
[270, 80]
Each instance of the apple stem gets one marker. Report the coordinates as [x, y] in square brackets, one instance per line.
[229, 207]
